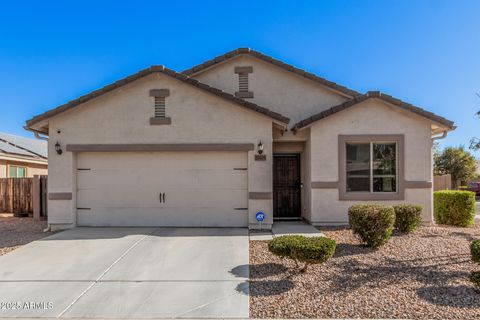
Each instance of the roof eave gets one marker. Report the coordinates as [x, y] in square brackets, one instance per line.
[30, 124]
[306, 123]
[342, 90]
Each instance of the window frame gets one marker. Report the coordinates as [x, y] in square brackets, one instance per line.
[371, 195]
[17, 167]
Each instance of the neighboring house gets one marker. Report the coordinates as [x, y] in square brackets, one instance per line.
[161, 148]
[21, 157]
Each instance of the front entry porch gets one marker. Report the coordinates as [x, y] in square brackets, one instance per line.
[281, 228]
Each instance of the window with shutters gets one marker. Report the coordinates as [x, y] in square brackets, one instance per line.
[159, 110]
[243, 81]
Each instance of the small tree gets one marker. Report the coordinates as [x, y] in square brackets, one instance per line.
[457, 162]
[475, 142]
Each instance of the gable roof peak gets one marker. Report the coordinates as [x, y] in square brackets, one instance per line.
[377, 95]
[288, 67]
[145, 72]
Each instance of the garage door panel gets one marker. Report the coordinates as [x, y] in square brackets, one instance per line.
[87, 179]
[233, 198]
[144, 217]
[203, 160]
[201, 189]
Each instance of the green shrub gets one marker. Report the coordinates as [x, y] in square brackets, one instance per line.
[372, 223]
[455, 208]
[282, 246]
[313, 249]
[475, 278]
[309, 250]
[475, 250]
[407, 217]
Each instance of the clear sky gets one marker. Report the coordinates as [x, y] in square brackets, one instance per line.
[423, 52]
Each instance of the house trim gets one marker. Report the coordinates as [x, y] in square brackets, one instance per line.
[243, 69]
[418, 184]
[155, 121]
[60, 196]
[260, 195]
[160, 147]
[160, 93]
[325, 184]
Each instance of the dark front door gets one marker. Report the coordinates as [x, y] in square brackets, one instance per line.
[286, 186]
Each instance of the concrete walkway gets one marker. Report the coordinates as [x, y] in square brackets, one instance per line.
[281, 228]
[129, 273]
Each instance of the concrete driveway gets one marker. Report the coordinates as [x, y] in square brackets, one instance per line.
[129, 273]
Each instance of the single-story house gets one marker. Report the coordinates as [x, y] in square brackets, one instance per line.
[236, 135]
[21, 157]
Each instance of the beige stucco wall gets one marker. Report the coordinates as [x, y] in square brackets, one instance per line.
[122, 117]
[3, 169]
[277, 89]
[33, 170]
[369, 117]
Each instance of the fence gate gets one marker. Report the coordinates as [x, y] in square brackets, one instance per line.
[16, 195]
[40, 209]
[24, 195]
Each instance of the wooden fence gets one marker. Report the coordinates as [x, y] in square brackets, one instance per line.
[24, 196]
[442, 182]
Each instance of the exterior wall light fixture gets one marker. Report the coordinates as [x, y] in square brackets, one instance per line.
[260, 147]
[58, 148]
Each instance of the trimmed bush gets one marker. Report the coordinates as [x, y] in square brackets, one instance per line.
[407, 217]
[313, 249]
[475, 250]
[475, 278]
[282, 246]
[309, 250]
[372, 223]
[456, 208]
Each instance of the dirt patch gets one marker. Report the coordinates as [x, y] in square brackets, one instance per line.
[420, 275]
[15, 232]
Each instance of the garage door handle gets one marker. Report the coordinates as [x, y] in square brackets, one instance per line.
[160, 197]
[163, 197]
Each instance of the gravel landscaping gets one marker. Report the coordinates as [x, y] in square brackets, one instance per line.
[417, 276]
[15, 232]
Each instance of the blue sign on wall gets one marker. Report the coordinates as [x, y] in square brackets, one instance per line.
[260, 216]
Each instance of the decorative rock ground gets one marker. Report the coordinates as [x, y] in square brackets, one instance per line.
[419, 275]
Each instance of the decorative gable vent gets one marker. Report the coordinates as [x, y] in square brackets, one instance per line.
[243, 73]
[159, 107]
[159, 117]
[243, 82]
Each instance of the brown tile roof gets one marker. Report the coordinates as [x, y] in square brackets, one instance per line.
[157, 69]
[369, 95]
[278, 63]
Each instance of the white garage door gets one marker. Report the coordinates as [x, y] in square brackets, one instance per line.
[193, 189]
